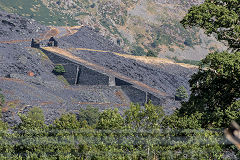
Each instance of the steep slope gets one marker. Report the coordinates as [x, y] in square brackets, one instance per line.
[141, 27]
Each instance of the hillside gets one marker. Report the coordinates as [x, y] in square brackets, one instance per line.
[27, 79]
[140, 27]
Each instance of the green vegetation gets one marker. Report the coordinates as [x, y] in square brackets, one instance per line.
[186, 61]
[188, 42]
[61, 78]
[138, 51]
[151, 53]
[89, 114]
[171, 49]
[220, 17]
[139, 133]
[38, 11]
[2, 98]
[181, 93]
[215, 92]
[161, 38]
[59, 70]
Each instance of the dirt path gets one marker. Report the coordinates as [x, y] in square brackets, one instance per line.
[103, 70]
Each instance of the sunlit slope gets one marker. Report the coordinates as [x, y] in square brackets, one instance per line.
[140, 27]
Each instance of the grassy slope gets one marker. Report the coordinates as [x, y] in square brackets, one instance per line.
[138, 26]
[36, 10]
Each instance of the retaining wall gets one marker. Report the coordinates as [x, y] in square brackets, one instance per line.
[77, 74]
[90, 77]
[141, 97]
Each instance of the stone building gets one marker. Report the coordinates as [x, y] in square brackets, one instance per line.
[35, 43]
[52, 42]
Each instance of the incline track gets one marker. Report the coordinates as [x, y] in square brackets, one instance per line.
[104, 70]
[66, 31]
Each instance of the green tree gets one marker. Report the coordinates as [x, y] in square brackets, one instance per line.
[217, 17]
[32, 120]
[215, 87]
[90, 114]
[65, 131]
[142, 132]
[110, 119]
[59, 70]
[66, 122]
[30, 135]
[215, 90]
[181, 93]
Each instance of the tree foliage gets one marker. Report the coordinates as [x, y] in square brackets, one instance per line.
[181, 93]
[215, 90]
[141, 132]
[215, 87]
[218, 17]
[89, 114]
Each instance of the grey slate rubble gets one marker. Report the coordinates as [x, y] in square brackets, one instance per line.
[165, 77]
[86, 37]
[54, 101]
[45, 90]
[16, 27]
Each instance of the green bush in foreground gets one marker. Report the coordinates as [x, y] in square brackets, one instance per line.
[138, 133]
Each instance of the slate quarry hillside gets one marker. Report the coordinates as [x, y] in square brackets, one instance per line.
[50, 92]
[14, 57]
[166, 77]
[138, 26]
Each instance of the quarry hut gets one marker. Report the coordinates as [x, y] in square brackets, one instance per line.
[52, 42]
[35, 43]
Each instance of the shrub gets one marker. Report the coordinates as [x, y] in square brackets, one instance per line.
[2, 99]
[181, 93]
[188, 42]
[59, 70]
[138, 51]
[93, 5]
[150, 53]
